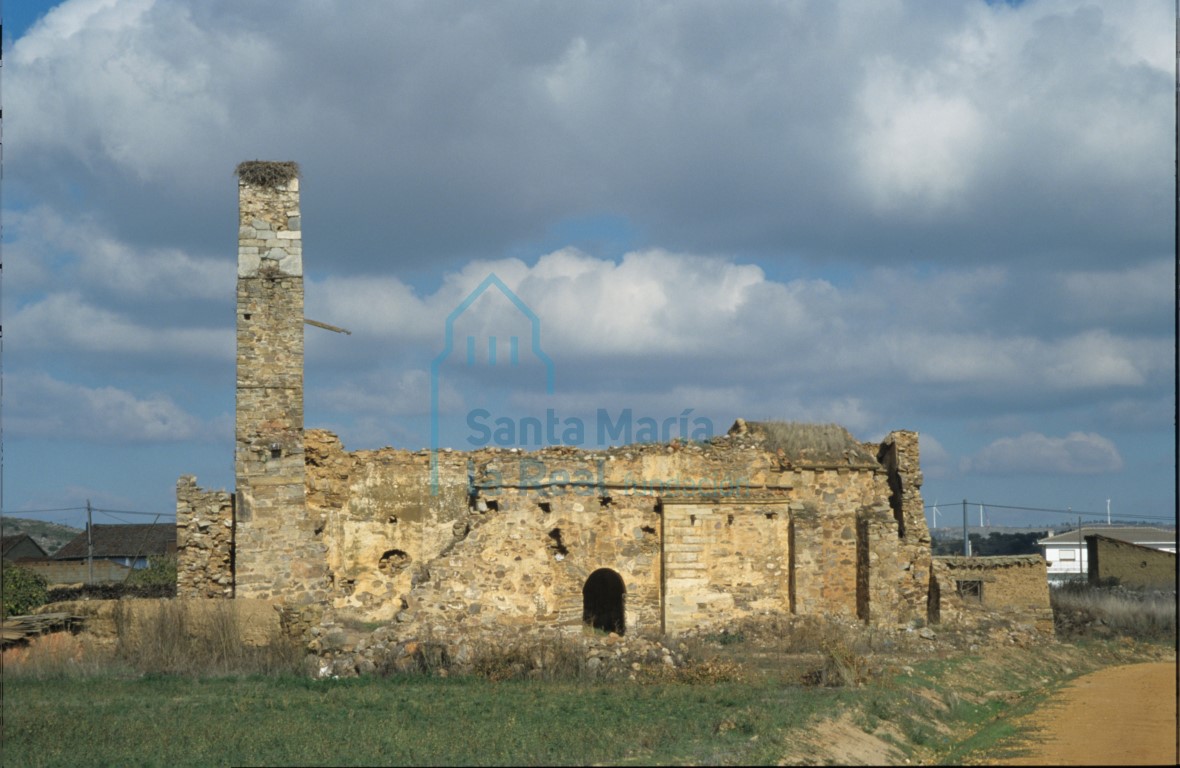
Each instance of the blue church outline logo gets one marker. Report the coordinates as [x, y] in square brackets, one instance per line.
[492, 280]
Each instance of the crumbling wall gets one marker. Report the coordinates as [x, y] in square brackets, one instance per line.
[1128, 564]
[969, 591]
[379, 519]
[700, 535]
[204, 541]
[525, 562]
[894, 554]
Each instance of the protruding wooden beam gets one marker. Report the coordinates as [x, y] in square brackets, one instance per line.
[327, 327]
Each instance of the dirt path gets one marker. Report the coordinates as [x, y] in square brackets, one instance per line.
[1117, 716]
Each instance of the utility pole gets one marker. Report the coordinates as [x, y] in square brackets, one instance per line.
[966, 539]
[89, 545]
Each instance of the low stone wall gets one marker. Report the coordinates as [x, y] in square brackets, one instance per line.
[1129, 565]
[969, 591]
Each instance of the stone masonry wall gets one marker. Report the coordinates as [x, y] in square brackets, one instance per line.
[969, 591]
[279, 553]
[204, 541]
[894, 569]
[700, 535]
[724, 560]
[380, 522]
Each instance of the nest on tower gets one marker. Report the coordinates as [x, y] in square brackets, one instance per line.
[267, 173]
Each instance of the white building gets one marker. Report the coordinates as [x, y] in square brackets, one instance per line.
[1065, 553]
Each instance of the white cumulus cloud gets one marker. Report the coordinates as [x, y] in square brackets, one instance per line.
[1078, 453]
[38, 405]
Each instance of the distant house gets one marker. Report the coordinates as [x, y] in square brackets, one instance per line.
[127, 545]
[20, 546]
[1066, 554]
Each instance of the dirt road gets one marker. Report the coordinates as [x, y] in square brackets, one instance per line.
[1117, 716]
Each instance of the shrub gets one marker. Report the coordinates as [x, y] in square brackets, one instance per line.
[24, 590]
[547, 659]
[161, 572]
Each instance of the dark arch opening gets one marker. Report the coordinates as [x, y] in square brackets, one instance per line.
[602, 601]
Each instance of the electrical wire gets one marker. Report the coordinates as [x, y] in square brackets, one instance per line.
[1071, 512]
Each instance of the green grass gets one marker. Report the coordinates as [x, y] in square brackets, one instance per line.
[66, 706]
[415, 720]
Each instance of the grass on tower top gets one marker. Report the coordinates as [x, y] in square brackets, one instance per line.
[267, 173]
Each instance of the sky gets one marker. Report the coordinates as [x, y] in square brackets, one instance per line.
[948, 217]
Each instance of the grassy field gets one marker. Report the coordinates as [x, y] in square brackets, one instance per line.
[940, 710]
[924, 703]
[410, 721]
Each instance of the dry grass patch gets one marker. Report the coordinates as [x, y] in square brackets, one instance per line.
[1080, 609]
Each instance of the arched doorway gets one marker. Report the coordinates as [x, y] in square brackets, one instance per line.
[602, 601]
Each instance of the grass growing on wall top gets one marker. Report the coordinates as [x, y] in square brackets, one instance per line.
[812, 442]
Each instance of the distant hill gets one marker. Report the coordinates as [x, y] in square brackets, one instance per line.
[50, 536]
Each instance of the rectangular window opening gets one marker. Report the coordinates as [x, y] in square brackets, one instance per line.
[971, 591]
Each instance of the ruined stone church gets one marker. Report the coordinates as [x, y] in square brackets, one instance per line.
[811, 522]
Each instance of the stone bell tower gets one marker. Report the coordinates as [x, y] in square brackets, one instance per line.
[278, 554]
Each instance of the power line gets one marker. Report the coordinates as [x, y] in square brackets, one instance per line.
[41, 511]
[117, 516]
[83, 508]
[1071, 512]
[134, 512]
